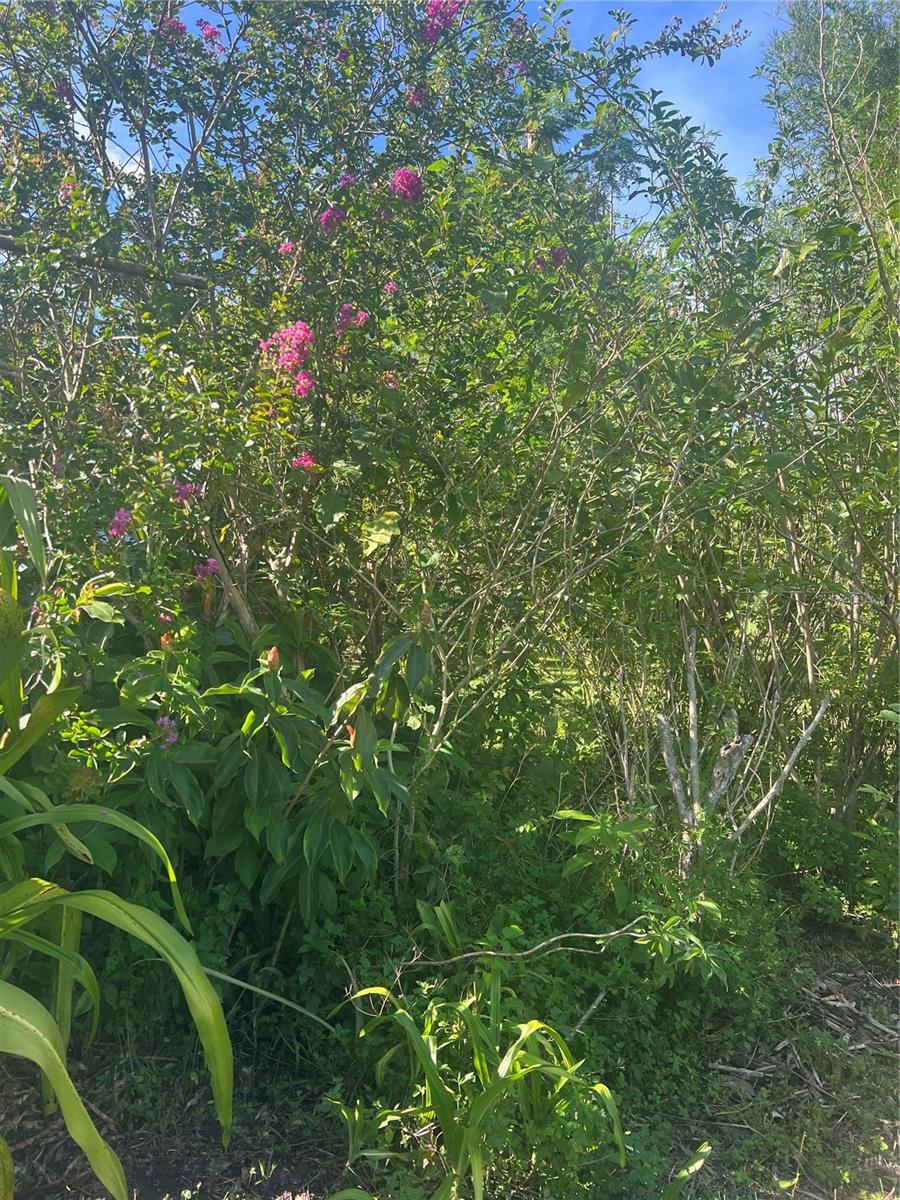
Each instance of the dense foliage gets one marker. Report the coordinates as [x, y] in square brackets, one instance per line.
[491, 596]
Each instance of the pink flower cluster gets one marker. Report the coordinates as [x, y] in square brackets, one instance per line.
[172, 29]
[286, 248]
[170, 734]
[390, 380]
[439, 15]
[350, 317]
[291, 348]
[184, 491]
[347, 180]
[305, 462]
[120, 522]
[304, 384]
[407, 185]
[390, 287]
[415, 98]
[205, 569]
[331, 218]
[520, 68]
[67, 189]
[211, 36]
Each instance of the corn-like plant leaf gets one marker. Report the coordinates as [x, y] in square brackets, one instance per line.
[28, 1030]
[81, 969]
[32, 799]
[258, 991]
[41, 717]
[105, 816]
[22, 501]
[441, 1097]
[12, 652]
[179, 954]
[674, 1189]
[7, 1180]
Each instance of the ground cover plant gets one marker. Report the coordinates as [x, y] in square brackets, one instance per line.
[479, 599]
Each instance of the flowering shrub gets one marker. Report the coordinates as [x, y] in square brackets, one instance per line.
[439, 17]
[407, 185]
[305, 461]
[331, 219]
[118, 526]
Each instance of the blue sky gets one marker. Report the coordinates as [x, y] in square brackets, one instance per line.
[725, 98]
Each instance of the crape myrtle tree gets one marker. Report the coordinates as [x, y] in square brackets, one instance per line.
[321, 335]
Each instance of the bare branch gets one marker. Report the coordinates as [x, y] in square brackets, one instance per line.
[785, 772]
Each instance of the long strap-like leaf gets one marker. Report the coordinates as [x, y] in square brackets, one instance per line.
[28, 1030]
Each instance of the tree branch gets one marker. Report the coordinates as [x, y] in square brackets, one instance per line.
[785, 772]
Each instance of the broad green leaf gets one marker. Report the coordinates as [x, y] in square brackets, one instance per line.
[379, 532]
[28, 1030]
[105, 816]
[22, 501]
[179, 954]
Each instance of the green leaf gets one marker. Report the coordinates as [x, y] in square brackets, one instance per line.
[101, 611]
[77, 963]
[151, 929]
[39, 720]
[28, 1030]
[379, 532]
[258, 991]
[105, 816]
[674, 1189]
[417, 664]
[23, 503]
[188, 791]
[365, 738]
[389, 659]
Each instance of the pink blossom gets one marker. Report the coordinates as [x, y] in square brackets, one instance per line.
[286, 248]
[305, 462]
[390, 287]
[558, 255]
[439, 15]
[205, 569]
[211, 36]
[390, 380]
[407, 185]
[184, 491]
[347, 180]
[331, 218]
[415, 98]
[520, 68]
[165, 618]
[350, 317]
[67, 189]
[291, 346]
[120, 522]
[172, 29]
[167, 725]
[304, 384]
